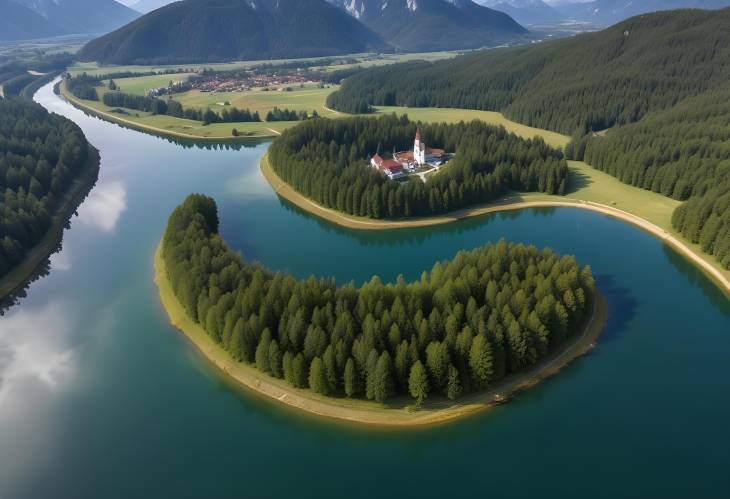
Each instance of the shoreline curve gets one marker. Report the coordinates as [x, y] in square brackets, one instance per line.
[360, 223]
[159, 132]
[367, 413]
[22, 273]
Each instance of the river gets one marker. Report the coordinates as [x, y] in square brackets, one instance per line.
[101, 398]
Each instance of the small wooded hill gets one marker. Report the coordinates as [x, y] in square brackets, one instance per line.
[461, 327]
[427, 25]
[589, 82]
[225, 30]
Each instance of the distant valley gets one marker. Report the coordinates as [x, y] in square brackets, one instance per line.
[28, 19]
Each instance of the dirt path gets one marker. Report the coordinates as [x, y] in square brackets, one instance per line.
[508, 204]
[399, 413]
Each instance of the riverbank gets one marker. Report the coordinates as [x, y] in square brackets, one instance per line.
[19, 276]
[400, 412]
[265, 132]
[510, 203]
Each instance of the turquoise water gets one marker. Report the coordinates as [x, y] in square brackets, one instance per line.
[101, 398]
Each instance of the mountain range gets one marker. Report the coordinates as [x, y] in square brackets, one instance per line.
[596, 12]
[27, 19]
[426, 25]
[224, 30]
[527, 11]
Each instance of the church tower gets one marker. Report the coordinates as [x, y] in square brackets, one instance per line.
[419, 149]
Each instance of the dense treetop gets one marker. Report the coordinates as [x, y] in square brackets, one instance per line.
[462, 327]
[328, 161]
[41, 155]
[682, 152]
[588, 82]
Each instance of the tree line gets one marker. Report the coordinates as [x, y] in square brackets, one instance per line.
[277, 114]
[682, 153]
[461, 327]
[174, 108]
[658, 81]
[574, 85]
[328, 161]
[41, 154]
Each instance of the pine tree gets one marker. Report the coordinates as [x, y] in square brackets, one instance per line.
[480, 361]
[418, 383]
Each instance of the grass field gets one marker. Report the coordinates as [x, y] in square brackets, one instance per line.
[141, 84]
[309, 98]
[177, 127]
[364, 60]
[447, 115]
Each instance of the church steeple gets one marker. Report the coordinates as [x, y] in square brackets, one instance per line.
[419, 148]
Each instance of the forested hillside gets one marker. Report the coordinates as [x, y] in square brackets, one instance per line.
[225, 30]
[684, 153]
[659, 81]
[328, 161]
[462, 327]
[589, 82]
[41, 155]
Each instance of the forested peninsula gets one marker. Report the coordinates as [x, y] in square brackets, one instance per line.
[327, 161]
[46, 168]
[465, 326]
[658, 82]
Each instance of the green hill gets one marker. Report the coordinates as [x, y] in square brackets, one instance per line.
[225, 30]
[429, 25]
[659, 82]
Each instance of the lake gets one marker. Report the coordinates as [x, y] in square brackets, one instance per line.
[100, 397]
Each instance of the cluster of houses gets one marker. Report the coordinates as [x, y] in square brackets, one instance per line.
[406, 162]
[235, 83]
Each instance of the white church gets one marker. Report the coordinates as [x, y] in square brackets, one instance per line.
[409, 161]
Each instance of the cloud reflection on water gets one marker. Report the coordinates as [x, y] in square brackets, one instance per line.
[104, 206]
[36, 352]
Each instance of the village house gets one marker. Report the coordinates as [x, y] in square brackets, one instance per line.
[409, 161]
[391, 168]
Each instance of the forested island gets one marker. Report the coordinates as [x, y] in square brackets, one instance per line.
[658, 82]
[463, 327]
[327, 161]
[46, 167]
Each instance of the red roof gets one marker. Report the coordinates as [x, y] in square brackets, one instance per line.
[378, 160]
[435, 152]
[404, 156]
[391, 165]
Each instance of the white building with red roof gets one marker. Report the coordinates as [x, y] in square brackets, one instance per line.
[409, 161]
[393, 169]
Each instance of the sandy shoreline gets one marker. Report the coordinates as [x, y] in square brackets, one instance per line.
[287, 192]
[365, 412]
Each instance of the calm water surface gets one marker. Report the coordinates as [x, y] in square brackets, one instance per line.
[101, 398]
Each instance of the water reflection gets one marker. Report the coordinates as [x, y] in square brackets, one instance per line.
[104, 206]
[35, 351]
